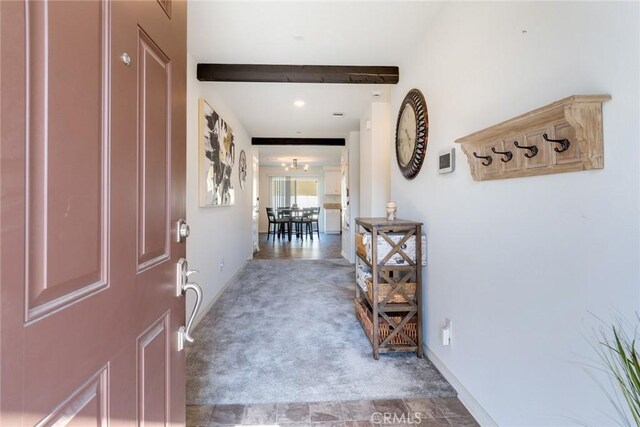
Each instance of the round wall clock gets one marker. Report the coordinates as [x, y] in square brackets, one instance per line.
[242, 168]
[412, 133]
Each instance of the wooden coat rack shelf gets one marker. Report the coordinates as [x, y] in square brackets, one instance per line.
[564, 136]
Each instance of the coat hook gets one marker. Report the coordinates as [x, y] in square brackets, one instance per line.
[508, 155]
[487, 159]
[564, 143]
[532, 148]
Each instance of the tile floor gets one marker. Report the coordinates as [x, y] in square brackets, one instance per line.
[439, 412]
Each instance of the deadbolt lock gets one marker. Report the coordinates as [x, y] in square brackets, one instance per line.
[182, 230]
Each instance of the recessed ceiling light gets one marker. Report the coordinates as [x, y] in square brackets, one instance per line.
[338, 114]
[376, 94]
[299, 103]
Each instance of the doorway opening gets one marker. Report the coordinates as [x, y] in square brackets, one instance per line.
[289, 194]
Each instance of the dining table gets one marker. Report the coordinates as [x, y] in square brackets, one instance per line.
[291, 214]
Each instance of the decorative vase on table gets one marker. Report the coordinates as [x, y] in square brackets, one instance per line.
[391, 211]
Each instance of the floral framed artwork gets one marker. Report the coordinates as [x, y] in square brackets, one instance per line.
[216, 155]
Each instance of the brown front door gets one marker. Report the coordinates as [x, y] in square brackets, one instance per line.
[92, 183]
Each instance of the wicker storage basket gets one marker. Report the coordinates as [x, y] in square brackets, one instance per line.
[366, 320]
[363, 246]
[362, 273]
[384, 288]
[360, 248]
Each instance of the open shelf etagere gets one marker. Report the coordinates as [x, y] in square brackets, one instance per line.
[398, 276]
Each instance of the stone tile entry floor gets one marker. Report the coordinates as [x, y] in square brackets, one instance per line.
[437, 412]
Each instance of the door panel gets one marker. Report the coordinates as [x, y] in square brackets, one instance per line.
[66, 146]
[92, 181]
[154, 115]
[166, 6]
[153, 378]
[87, 406]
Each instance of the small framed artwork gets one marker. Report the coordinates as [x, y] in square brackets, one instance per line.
[216, 155]
[447, 161]
[242, 169]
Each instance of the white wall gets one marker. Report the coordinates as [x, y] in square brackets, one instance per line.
[375, 152]
[220, 232]
[518, 265]
[348, 238]
[365, 164]
[266, 172]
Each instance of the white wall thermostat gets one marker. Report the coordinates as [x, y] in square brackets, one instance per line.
[446, 161]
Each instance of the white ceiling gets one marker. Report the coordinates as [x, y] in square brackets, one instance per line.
[267, 109]
[303, 33]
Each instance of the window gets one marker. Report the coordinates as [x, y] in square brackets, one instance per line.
[292, 191]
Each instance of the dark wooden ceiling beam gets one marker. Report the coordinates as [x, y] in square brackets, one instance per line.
[298, 141]
[297, 73]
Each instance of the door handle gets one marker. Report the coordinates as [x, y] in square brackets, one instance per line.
[182, 275]
[184, 333]
[183, 286]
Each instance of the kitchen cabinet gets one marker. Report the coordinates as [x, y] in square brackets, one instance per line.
[332, 182]
[332, 221]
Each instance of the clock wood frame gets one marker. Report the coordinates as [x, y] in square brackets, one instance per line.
[414, 100]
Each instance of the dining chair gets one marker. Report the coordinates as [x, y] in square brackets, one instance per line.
[315, 217]
[296, 220]
[284, 212]
[306, 222]
[278, 224]
[284, 215]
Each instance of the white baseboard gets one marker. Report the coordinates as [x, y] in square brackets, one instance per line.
[482, 417]
[204, 312]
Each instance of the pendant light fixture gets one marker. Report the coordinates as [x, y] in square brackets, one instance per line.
[294, 166]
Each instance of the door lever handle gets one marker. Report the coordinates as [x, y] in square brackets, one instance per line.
[183, 285]
[182, 275]
[184, 333]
